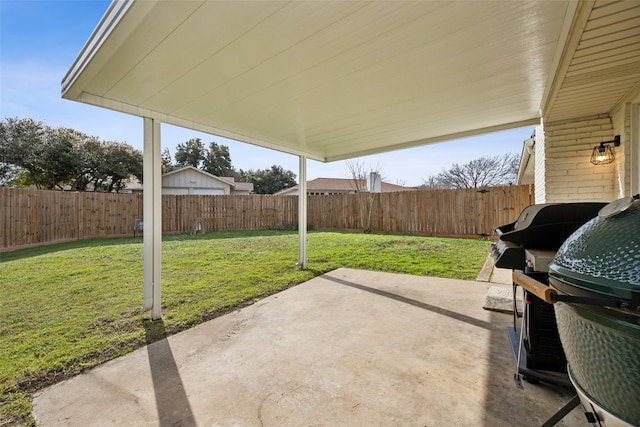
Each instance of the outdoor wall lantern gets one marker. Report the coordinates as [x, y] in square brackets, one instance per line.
[603, 154]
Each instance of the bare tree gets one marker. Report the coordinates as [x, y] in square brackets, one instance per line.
[432, 182]
[482, 172]
[359, 174]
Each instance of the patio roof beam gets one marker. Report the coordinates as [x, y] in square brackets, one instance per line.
[437, 139]
[122, 107]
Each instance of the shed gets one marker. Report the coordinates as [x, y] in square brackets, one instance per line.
[190, 180]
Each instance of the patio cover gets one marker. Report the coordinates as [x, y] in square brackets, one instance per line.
[339, 79]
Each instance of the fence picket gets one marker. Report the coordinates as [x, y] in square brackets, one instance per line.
[35, 217]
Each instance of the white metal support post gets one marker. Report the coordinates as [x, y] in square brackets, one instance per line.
[302, 214]
[152, 232]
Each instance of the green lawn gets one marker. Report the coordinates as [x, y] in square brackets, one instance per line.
[69, 307]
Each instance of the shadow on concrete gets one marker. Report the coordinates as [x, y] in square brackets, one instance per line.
[172, 402]
[452, 314]
[503, 403]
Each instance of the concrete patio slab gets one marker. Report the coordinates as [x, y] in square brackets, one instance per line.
[349, 348]
[502, 275]
[490, 273]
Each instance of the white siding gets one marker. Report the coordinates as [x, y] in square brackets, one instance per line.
[175, 191]
[209, 191]
[192, 181]
[191, 178]
[193, 191]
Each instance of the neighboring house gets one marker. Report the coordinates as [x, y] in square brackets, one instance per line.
[189, 180]
[133, 186]
[323, 186]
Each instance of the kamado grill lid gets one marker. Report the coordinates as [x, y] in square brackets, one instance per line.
[603, 255]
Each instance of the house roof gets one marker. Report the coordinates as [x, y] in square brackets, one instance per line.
[191, 168]
[343, 184]
[243, 186]
[336, 80]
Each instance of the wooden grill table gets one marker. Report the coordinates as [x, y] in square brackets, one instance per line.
[534, 336]
[546, 295]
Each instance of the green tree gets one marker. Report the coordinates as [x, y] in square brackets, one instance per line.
[59, 158]
[34, 154]
[91, 154]
[217, 160]
[190, 153]
[167, 163]
[121, 161]
[269, 181]
[18, 141]
[106, 166]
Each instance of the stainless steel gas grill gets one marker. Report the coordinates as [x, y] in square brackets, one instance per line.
[542, 227]
[528, 245]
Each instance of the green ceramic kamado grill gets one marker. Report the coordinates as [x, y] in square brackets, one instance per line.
[596, 274]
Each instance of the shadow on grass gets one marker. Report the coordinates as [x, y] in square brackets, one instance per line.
[172, 402]
[117, 241]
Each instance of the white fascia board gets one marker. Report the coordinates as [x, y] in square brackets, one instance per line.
[575, 21]
[116, 10]
[525, 158]
[440, 138]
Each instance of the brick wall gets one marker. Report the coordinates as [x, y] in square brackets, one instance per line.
[568, 174]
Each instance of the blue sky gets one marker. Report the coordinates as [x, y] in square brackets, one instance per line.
[39, 41]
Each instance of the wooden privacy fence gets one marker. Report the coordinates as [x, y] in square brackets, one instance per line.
[464, 212]
[35, 217]
[180, 214]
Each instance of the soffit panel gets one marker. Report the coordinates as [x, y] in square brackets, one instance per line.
[606, 64]
[332, 78]
[144, 30]
[183, 52]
